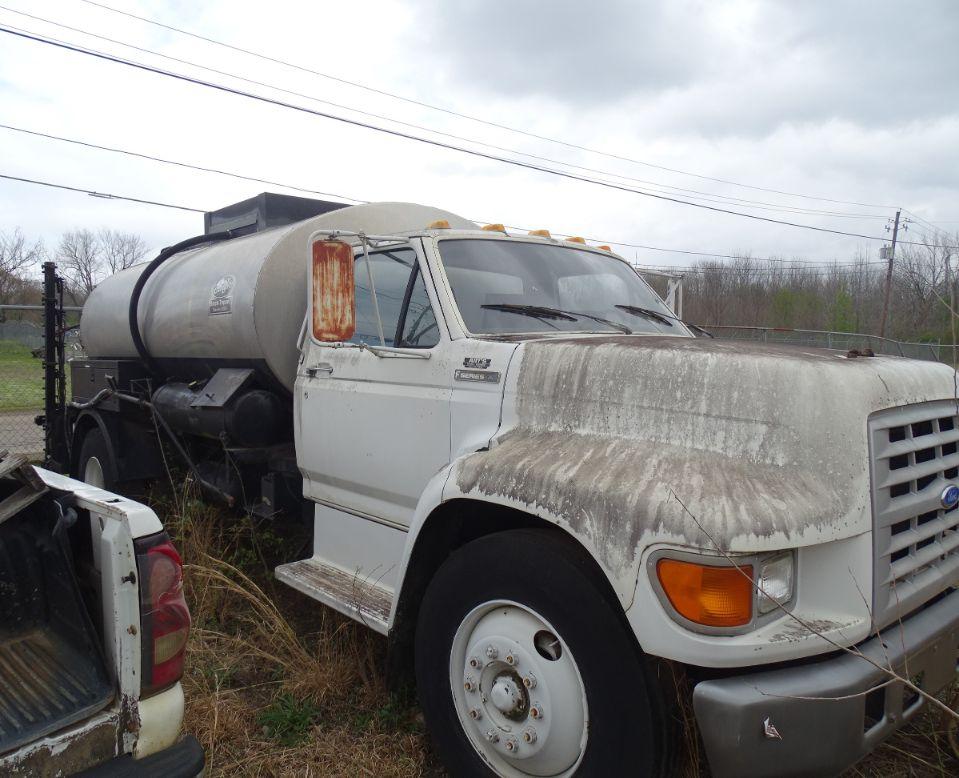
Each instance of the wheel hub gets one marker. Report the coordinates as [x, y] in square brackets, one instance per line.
[93, 473]
[523, 708]
[509, 696]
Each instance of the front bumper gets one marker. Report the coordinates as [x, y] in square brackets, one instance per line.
[182, 760]
[820, 709]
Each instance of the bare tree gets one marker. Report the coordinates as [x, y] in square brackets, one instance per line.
[80, 257]
[16, 256]
[87, 257]
[120, 250]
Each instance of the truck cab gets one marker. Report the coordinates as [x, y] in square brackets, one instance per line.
[555, 500]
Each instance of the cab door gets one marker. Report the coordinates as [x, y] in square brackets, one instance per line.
[373, 424]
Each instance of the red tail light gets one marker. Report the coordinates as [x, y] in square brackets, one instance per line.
[164, 616]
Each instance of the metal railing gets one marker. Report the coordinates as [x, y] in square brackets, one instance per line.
[843, 341]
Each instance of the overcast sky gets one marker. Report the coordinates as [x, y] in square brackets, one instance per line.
[848, 101]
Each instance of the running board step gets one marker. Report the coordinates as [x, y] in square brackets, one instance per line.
[349, 593]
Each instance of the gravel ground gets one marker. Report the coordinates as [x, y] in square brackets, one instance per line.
[18, 433]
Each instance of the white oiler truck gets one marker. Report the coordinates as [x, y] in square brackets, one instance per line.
[559, 504]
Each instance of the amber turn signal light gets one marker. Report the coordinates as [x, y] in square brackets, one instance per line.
[711, 596]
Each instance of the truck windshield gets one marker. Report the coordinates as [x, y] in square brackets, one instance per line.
[511, 286]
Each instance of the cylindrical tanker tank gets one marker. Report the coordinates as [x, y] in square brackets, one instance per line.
[235, 303]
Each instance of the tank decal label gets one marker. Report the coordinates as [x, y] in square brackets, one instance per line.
[221, 296]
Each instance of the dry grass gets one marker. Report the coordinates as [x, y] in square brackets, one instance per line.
[276, 684]
[279, 685]
[927, 747]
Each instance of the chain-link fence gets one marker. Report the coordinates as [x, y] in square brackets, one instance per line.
[844, 341]
[21, 398]
[21, 378]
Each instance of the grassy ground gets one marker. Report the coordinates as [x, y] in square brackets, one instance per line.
[278, 685]
[21, 378]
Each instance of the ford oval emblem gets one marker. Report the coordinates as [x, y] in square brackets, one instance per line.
[950, 497]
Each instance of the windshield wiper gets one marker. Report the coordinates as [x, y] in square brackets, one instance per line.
[663, 318]
[648, 313]
[545, 312]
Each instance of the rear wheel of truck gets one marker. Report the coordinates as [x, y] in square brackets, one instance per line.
[526, 667]
[95, 465]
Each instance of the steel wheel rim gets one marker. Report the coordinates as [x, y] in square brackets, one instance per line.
[522, 708]
[93, 473]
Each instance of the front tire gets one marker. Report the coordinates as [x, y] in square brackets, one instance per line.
[526, 667]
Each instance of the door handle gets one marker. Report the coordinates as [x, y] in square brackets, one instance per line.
[323, 367]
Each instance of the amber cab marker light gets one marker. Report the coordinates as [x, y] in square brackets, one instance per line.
[494, 228]
[576, 239]
[605, 248]
[439, 224]
[711, 596]
[540, 233]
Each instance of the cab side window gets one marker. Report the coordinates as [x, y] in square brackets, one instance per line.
[401, 297]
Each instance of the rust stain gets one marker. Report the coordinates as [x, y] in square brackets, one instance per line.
[129, 713]
[334, 312]
[65, 754]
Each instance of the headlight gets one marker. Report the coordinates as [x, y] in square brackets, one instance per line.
[721, 596]
[709, 595]
[775, 584]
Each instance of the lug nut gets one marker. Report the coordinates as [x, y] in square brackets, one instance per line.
[476, 714]
[512, 744]
[476, 663]
[469, 684]
[536, 711]
[492, 652]
[510, 659]
[529, 681]
[529, 735]
[492, 737]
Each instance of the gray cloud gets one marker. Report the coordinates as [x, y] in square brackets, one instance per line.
[712, 69]
[568, 50]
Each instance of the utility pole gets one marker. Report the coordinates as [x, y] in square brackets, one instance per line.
[950, 284]
[892, 255]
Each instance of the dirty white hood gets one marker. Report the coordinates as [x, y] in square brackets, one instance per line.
[766, 446]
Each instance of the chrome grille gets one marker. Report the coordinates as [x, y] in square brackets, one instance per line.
[915, 456]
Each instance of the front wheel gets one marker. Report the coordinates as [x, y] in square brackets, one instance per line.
[525, 667]
[95, 464]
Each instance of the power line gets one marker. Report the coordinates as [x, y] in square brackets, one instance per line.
[103, 195]
[647, 247]
[927, 225]
[813, 269]
[469, 117]
[692, 193]
[240, 176]
[186, 165]
[804, 270]
[396, 133]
